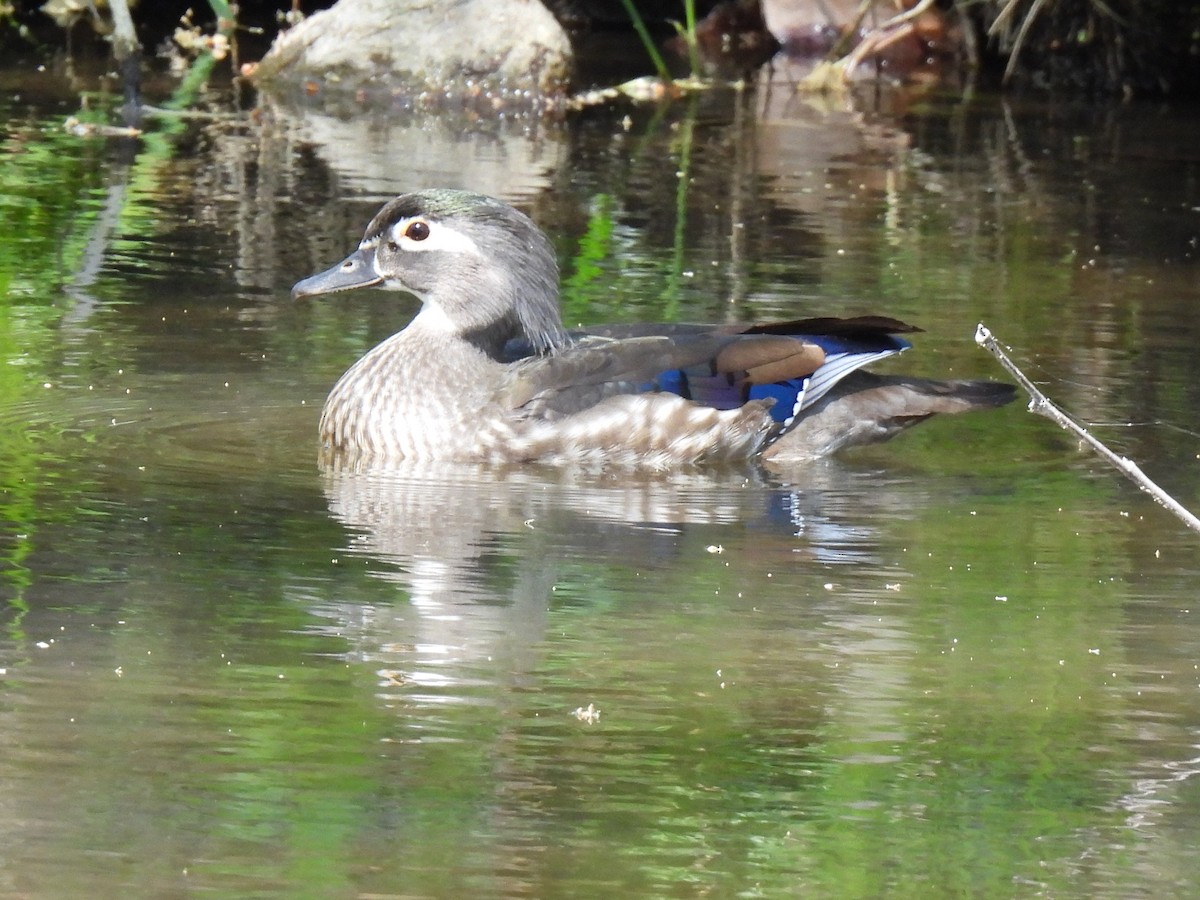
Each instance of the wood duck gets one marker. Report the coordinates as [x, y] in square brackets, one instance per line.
[487, 372]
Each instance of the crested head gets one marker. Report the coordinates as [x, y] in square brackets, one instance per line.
[487, 268]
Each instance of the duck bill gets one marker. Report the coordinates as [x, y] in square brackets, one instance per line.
[356, 271]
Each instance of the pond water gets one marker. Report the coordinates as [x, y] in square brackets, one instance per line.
[963, 663]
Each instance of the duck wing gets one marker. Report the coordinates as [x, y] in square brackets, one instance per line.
[793, 364]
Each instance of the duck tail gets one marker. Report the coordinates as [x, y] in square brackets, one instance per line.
[864, 408]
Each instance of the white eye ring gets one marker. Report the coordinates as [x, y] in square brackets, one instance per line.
[420, 235]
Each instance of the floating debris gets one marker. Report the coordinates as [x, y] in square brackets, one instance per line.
[80, 128]
[591, 715]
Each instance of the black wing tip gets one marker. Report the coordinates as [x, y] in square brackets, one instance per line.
[988, 393]
[842, 326]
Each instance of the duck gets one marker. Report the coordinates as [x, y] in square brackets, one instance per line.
[486, 371]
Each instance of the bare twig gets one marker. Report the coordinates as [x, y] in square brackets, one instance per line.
[1039, 403]
[834, 72]
[1022, 33]
[883, 36]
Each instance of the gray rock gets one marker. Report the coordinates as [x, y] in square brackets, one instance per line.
[482, 55]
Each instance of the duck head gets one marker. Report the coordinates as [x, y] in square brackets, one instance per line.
[484, 271]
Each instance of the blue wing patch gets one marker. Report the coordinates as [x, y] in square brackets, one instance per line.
[793, 396]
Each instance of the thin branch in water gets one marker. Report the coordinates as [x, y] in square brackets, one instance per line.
[1039, 403]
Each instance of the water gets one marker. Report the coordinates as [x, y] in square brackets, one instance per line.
[964, 663]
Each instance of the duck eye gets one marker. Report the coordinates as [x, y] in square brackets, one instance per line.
[417, 231]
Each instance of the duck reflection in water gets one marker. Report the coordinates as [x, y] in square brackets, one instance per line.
[484, 553]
